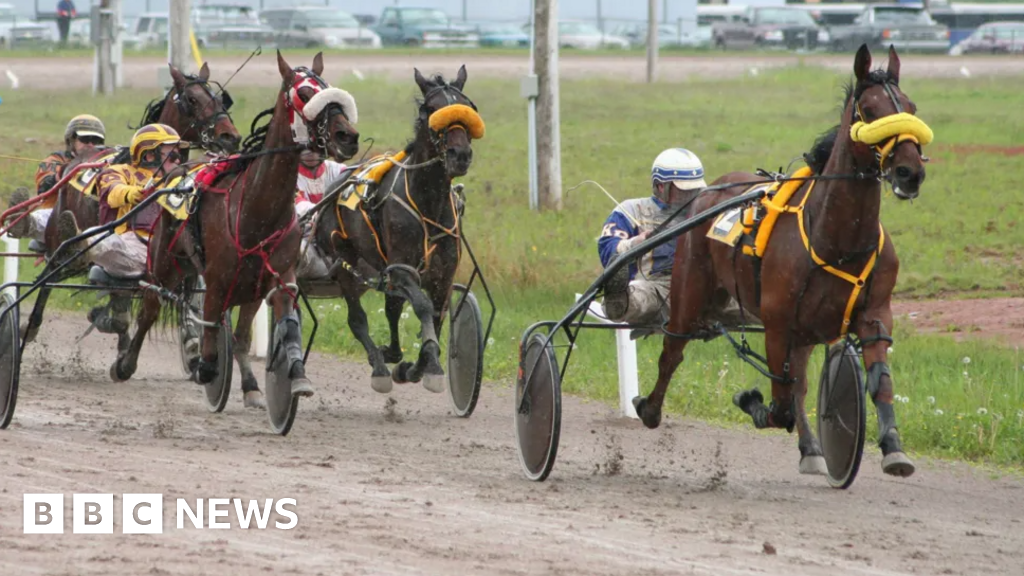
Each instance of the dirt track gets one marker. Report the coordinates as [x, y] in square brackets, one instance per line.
[54, 73]
[412, 489]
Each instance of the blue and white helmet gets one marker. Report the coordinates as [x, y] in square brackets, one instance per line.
[680, 167]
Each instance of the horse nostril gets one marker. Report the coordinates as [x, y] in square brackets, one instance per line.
[902, 172]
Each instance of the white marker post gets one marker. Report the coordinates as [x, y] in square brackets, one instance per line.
[262, 322]
[11, 262]
[629, 381]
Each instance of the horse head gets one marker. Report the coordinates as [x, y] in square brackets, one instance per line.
[883, 125]
[321, 117]
[450, 119]
[203, 113]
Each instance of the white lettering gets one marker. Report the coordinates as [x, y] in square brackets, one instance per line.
[197, 518]
[279, 506]
[215, 513]
[254, 510]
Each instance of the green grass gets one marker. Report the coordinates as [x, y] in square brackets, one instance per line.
[959, 238]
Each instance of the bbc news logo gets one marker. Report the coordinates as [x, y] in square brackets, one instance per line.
[144, 513]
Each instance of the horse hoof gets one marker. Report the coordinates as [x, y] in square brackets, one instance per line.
[390, 356]
[254, 399]
[434, 382]
[115, 373]
[897, 464]
[814, 465]
[400, 375]
[302, 387]
[381, 384]
[744, 399]
[652, 421]
[26, 334]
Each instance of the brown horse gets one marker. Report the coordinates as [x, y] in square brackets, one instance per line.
[192, 108]
[801, 301]
[243, 236]
[409, 232]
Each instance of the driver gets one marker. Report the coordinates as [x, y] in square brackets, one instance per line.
[315, 175]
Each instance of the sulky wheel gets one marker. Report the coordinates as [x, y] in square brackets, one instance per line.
[538, 416]
[219, 389]
[281, 403]
[190, 333]
[465, 351]
[841, 414]
[10, 358]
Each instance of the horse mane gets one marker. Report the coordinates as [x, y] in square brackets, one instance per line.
[257, 138]
[421, 120]
[821, 150]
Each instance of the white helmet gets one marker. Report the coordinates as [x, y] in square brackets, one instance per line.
[680, 167]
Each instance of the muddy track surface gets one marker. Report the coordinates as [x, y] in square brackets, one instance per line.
[141, 72]
[397, 485]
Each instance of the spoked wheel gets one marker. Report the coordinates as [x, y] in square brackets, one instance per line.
[219, 389]
[190, 333]
[465, 351]
[539, 420]
[10, 359]
[841, 414]
[281, 403]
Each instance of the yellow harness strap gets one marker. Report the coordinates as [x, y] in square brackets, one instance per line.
[857, 281]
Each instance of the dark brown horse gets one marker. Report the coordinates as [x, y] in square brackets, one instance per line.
[409, 233]
[800, 302]
[193, 108]
[243, 236]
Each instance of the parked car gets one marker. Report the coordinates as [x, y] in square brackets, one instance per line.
[229, 25]
[770, 27]
[311, 26]
[150, 31]
[18, 31]
[586, 36]
[669, 36]
[993, 38]
[907, 27]
[500, 34]
[426, 27]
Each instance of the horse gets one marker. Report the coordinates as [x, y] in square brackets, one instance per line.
[191, 107]
[827, 271]
[242, 236]
[409, 232]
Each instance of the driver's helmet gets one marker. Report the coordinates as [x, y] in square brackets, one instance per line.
[151, 137]
[680, 167]
[84, 125]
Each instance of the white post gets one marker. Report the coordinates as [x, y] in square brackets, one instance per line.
[625, 352]
[549, 146]
[262, 322]
[529, 89]
[11, 263]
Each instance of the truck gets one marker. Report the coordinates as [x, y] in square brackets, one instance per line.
[423, 27]
[908, 27]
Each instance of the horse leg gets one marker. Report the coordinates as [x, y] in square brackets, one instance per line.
[380, 378]
[812, 459]
[780, 413]
[393, 306]
[30, 328]
[253, 398]
[213, 311]
[875, 330]
[127, 361]
[288, 334]
[428, 364]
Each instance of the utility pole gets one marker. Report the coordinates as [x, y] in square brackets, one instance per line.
[652, 40]
[104, 22]
[664, 11]
[179, 48]
[464, 2]
[549, 162]
[600, 19]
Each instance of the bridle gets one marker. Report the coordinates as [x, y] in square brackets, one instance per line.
[306, 78]
[439, 138]
[886, 132]
[187, 108]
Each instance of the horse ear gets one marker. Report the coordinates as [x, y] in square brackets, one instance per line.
[422, 82]
[862, 63]
[178, 77]
[318, 64]
[287, 74]
[460, 80]
[204, 72]
[894, 64]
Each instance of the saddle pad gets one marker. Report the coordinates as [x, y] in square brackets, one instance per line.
[369, 175]
[85, 180]
[179, 203]
[728, 227]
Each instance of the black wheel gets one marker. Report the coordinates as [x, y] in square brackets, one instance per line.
[465, 351]
[842, 414]
[539, 420]
[281, 403]
[219, 389]
[188, 330]
[10, 359]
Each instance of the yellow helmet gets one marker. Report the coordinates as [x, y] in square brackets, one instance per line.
[151, 137]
